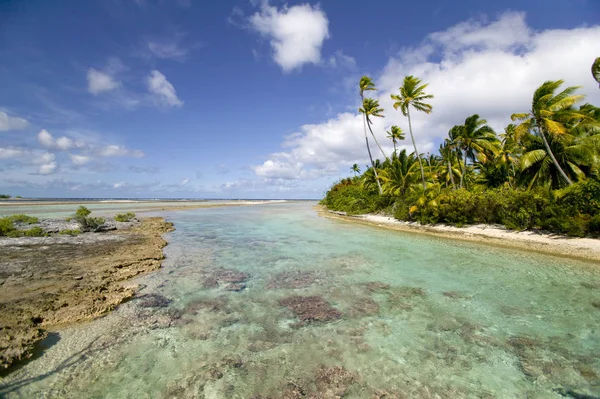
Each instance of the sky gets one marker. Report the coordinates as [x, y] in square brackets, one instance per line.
[257, 99]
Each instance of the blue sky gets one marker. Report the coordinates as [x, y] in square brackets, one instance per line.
[256, 99]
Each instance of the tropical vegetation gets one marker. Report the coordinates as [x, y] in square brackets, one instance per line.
[542, 171]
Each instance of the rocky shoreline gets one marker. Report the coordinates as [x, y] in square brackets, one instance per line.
[50, 282]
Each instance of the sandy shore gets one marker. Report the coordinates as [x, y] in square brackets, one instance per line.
[50, 282]
[580, 248]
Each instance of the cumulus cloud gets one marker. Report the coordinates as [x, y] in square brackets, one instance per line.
[80, 160]
[11, 153]
[474, 67]
[48, 168]
[8, 122]
[296, 33]
[185, 181]
[163, 90]
[99, 81]
[62, 143]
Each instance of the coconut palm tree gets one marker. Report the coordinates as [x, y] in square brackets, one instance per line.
[550, 115]
[475, 139]
[355, 169]
[372, 109]
[412, 94]
[366, 84]
[395, 134]
[448, 157]
[401, 174]
[577, 157]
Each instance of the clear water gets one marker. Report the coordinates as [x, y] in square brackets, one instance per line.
[457, 319]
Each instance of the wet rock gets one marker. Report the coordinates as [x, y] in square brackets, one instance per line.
[292, 280]
[333, 381]
[212, 304]
[364, 306]
[310, 308]
[153, 301]
[235, 287]
[596, 304]
[575, 393]
[210, 282]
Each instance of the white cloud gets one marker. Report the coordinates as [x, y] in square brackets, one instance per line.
[80, 160]
[119, 151]
[44, 158]
[119, 185]
[48, 168]
[62, 143]
[11, 153]
[99, 82]
[8, 122]
[163, 90]
[185, 181]
[296, 33]
[474, 67]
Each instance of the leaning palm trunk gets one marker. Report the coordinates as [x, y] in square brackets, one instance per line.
[416, 151]
[370, 156]
[464, 170]
[451, 175]
[376, 142]
[560, 169]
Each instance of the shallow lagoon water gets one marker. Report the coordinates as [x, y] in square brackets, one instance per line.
[421, 317]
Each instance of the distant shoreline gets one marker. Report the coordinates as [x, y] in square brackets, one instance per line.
[587, 249]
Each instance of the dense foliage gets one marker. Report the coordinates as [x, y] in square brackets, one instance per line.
[541, 173]
[8, 229]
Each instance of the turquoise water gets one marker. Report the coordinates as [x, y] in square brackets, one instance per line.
[399, 315]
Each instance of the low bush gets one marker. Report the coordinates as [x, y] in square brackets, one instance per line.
[25, 219]
[68, 232]
[86, 222]
[124, 217]
[6, 227]
[35, 232]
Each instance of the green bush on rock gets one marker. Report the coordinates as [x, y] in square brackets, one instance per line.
[124, 217]
[86, 222]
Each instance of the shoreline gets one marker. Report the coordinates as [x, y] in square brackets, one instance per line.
[586, 249]
[49, 283]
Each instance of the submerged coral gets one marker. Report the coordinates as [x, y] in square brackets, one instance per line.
[311, 308]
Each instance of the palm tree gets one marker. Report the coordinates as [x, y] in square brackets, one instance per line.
[366, 84]
[401, 174]
[371, 109]
[448, 156]
[548, 116]
[395, 134]
[412, 93]
[355, 169]
[475, 139]
[577, 156]
[596, 70]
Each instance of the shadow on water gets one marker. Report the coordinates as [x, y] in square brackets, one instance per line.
[44, 345]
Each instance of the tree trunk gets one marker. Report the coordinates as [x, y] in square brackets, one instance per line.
[416, 151]
[375, 138]
[464, 167]
[370, 156]
[451, 175]
[549, 151]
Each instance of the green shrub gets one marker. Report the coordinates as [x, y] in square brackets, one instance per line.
[4, 196]
[124, 217]
[35, 232]
[6, 226]
[86, 222]
[352, 198]
[25, 219]
[71, 233]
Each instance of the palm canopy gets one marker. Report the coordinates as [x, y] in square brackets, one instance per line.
[475, 138]
[365, 84]
[552, 116]
[371, 108]
[412, 93]
[395, 133]
[596, 70]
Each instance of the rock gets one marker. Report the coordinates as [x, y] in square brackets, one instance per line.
[153, 301]
[311, 308]
[235, 287]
